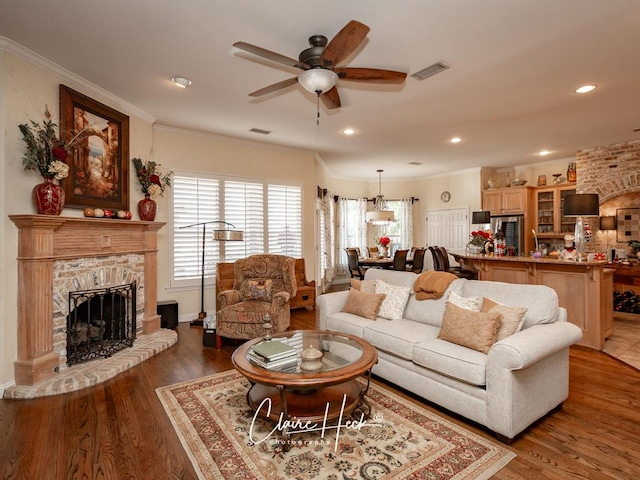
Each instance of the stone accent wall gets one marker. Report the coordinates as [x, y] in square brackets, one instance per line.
[610, 170]
[72, 275]
[613, 172]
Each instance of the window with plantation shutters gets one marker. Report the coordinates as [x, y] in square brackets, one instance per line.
[195, 200]
[270, 216]
[244, 208]
[285, 220]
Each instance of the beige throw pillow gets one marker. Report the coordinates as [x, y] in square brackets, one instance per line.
[468, 303]
[368, 286]
[393, 306]
[512, 317]
[476, 330]
[364, 304]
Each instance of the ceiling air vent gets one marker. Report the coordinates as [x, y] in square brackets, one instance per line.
[260, 130]
[430, 71]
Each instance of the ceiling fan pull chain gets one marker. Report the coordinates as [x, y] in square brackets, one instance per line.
[318, 92]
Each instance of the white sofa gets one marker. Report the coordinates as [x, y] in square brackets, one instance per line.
[519, 380]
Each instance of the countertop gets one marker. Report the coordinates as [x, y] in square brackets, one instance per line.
[528, 259]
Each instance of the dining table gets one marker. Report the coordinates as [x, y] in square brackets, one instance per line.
[380, 262]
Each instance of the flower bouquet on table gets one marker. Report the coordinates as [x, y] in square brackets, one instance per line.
[384, 242]
[478, 239]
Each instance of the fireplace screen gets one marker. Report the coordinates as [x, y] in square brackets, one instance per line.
[101, 322]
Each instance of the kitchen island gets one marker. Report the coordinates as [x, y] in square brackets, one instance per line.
[585, 288]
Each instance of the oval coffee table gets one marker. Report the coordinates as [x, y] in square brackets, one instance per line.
[326, 394]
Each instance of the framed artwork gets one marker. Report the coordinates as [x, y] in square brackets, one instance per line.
[628, 224]
[99, 166]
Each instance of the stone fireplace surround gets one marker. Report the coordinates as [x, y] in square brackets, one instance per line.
[61, 254]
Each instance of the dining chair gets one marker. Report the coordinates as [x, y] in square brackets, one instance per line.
[400, 259]
[373, 251]
[435, 256]
[457, 271]
[418, 260]
[354, 265]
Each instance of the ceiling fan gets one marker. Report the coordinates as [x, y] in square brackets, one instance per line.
[320, 63]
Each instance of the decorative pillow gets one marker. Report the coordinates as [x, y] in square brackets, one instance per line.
[393, 306]
[512, 317]
[256, 290]
[363, 304]
[476, 330]
[468, 303]
[368, 286]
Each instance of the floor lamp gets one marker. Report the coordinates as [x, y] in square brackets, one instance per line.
[580, 205]
[224, 235]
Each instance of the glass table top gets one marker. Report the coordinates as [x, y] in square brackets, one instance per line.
[337, 351]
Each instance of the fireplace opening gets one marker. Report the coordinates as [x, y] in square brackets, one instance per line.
[101, 322]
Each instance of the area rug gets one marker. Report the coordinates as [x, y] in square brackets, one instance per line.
[400, 440]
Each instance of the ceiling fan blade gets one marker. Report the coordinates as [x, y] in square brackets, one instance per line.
[268, 54]
[331, 98]
[372, 75]
[344, 43]
[275, 87]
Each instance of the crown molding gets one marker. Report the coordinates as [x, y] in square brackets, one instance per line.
[72, 80]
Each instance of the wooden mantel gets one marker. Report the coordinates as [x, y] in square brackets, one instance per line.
[42, 240]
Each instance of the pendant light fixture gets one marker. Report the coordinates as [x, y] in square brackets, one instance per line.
[380, 215]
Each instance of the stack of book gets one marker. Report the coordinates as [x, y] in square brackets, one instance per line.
[273, 355]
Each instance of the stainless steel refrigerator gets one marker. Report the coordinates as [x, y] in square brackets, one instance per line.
[512, 226]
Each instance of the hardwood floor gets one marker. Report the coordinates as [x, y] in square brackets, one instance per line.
[119, 430]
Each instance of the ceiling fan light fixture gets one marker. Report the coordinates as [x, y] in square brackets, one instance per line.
[318, 80]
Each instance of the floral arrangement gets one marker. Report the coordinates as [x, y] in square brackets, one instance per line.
[46, 152]
[384, 241]
[479, 237]
[635, 245]
[152, 180]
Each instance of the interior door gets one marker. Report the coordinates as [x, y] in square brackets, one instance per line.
[448, 228]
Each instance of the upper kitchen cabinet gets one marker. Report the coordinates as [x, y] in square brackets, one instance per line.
[550, 223]
[506, 201]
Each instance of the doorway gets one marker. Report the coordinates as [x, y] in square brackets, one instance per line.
[448, 228]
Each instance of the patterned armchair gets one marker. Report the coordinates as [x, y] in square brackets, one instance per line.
[262, 284]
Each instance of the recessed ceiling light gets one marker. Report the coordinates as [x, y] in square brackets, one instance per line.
[455, 140]
[544, 152]
[181, 82]
[349, 131]
[585, 88]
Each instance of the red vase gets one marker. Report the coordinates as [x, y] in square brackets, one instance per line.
[147, 209]
[48, 198]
